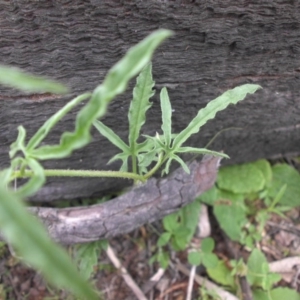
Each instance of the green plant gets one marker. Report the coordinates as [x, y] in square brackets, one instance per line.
[235, 194]
[160, 150]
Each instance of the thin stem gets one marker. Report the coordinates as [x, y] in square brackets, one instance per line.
[156, 167]
[80, 173]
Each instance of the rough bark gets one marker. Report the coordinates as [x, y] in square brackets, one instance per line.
[143, 204]
[218, 44]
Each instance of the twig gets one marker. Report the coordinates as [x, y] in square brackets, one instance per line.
[191, 283]
[127, 278]
[224, 295]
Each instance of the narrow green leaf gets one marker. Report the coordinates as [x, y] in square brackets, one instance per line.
[28, 236]
[124, 158]
[139, 105]
[50, 123]
[115, 83]
[19, 144]
[18, 79]
[201, 151]
[35, 182]
[214, 106]
[111, 136]
[182, 163]
[166, 110]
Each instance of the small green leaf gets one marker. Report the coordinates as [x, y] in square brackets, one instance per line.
[171, 223]
[164, 239]
[210, 196]
[166, 110]
[18, 79]
[207, 245]
[210, 260]
[255, 267]
[241, 179]
[86, 256]
[221, 274]
[28, 236]
[209, 112]
[285, 174]
[195, 258]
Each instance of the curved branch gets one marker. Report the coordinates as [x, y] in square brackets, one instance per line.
[142, 204]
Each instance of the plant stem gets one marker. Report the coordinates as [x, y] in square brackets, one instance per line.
[156, 167]
[80, 173]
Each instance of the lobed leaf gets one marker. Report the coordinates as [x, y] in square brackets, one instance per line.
[166, 110]
[18, 79]
[201, 151]
[114, 84]
[28, 236]
[209, 112]
[139, 105]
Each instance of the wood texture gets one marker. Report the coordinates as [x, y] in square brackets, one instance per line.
[218, 45]
[143, 204]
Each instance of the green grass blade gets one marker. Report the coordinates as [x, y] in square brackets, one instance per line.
[20, 80]
[115, 83]
[111, 136]
[214, 106]
[139, 105]
[29, 238]
[166, 110]
[201, 151]
[50, 123]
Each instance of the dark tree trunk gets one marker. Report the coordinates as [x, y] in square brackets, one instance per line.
[219, 44]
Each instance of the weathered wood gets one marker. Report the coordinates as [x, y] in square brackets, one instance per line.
[143, 204]
[218, 45]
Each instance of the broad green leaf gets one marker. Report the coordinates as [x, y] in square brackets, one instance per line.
[86, 257]
[111, 136]
[209, 112]
[209, 197]
[276, 294]
[241, 179]
[195, 258]
[35, 182]
[221, 274]
[166, 110]
[51, 122]
[201, 151]
[231, 214]
[285, 174]
[139, 105]
[115, 83]
[29, 238]
[264, 166]
[18, 79]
